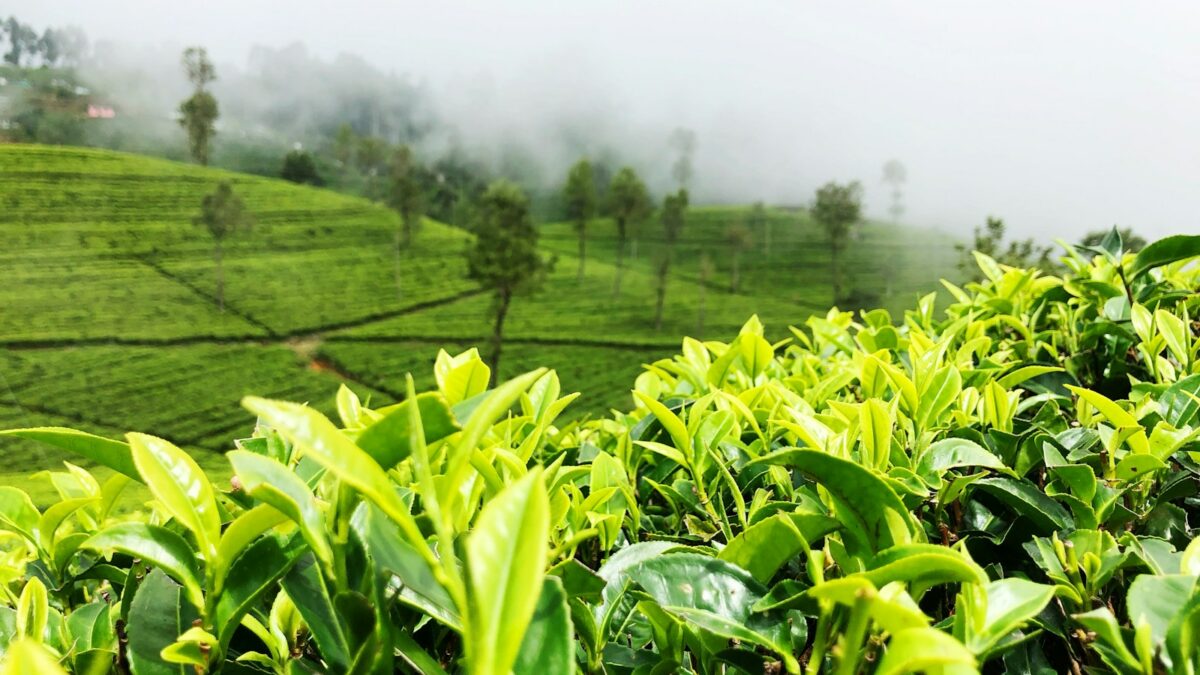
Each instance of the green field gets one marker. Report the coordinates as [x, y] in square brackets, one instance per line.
[108, 319]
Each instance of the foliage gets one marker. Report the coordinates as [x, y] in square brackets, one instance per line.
[629, 204]
[299, 167]
[837, 208]
[405, 193]
[1130, 239]
[683, 142]
[674, 214]
[199, 112]
[504, 257]
[580, 194]
[739, 237]
[1009, 484]
[222, 214]
[990, 241]
[895, 175]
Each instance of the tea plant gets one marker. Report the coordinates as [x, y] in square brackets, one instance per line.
[1008, 485]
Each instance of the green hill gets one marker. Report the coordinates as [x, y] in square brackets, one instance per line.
[108, 319]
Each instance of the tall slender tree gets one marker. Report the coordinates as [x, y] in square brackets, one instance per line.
[629, 204]
[580, 194]
[406, 196]
[504, 258]
[895, 175]
[837, 208]
[222, 214]
[673, 215]
[199, 112]
[683, 141]
[739, 238]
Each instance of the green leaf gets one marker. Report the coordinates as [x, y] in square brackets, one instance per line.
[1011, 603]
[669, 421]
[462, 377]
[925, 564]
[549, 643]
[1024, 373]
[157, 617]
[506, 559]
[106, 452]
[319, 439]
[939, 394]
[157, 546]
[388, 439]
[255, 572]
[1157, 599]
[952, 453]
[734, 630]
[1165, 251]
[307, 592]
[1135, 467]
[33, 609]
[1116, 415]
[699, 582]
[924, 650]
[26, 656]
[1175, 333]
[875, 424]
[240, 533]
[18, 514]
[1109, 643]
[1027, 500]
[393, 555]
[177, 482]
[865, 502]
[1180, 403]
[272, 483]
[767, 545]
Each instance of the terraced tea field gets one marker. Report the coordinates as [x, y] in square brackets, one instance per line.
[108, 319]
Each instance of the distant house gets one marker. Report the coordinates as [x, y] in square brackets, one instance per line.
[103, 112]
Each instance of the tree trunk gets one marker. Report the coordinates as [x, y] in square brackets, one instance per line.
[620, 258]
[582, 251]
[736, 270]
[503, 299]
[397, 256]
[217, 258]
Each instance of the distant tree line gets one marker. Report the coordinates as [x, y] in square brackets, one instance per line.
[24, 47]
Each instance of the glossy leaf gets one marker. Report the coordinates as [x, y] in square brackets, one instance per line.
[549, 644]
[156, 545]
[106, 452]
[178, 483]
[767, 545]
[506, 554]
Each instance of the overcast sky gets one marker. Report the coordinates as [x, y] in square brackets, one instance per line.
[1058, 116]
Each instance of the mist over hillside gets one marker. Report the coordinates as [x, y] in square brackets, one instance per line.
[1025, 113]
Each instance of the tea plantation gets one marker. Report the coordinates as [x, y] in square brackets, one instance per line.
[108, 319]
[1007, 485]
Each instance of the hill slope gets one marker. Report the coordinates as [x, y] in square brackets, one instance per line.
[108, 319]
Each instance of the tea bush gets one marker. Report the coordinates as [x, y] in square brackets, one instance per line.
[1008, 484]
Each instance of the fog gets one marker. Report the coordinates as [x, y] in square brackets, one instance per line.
[1058, 117]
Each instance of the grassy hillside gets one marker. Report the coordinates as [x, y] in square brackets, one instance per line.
[108, 319]
[788, 256]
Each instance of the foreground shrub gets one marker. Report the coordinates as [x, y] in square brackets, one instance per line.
[1008, 483]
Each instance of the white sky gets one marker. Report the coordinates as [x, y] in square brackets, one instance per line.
[1058, 116]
